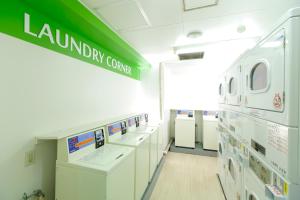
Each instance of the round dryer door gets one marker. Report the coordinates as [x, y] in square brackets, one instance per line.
[252, 197]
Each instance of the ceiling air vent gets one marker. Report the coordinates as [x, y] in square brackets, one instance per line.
[191, 56]
[197, 4]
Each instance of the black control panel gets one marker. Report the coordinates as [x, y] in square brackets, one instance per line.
[99, 138]
[123, 127]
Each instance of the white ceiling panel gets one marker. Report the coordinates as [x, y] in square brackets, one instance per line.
[163, 12]
[194, 4]
[126, 14]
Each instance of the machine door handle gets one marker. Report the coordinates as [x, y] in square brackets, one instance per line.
[141, 138]
[119, 156]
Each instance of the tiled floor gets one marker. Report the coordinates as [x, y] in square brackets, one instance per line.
[188, 177]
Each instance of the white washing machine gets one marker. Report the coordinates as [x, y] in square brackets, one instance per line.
[271, 73]
[117, 134]
[277, 145]
[143, 122]
[88, 168]
[135, 128]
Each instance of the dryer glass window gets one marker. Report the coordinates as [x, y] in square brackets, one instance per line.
[259, 77]
[221, 90]
[231, 169]
[220, 148]
[252, 197]
[232, 86]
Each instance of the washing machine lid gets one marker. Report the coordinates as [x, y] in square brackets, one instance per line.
[129, 139]
[104, 158]
[146, 129]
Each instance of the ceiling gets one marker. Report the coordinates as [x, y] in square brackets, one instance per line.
[154, 27]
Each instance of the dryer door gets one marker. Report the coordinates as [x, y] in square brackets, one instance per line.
[233, 85]
[264, 74]
[221, 92]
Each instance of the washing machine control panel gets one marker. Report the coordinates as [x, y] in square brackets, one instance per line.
[99, 138]
[81, 141]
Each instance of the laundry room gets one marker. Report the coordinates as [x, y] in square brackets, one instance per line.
[150, 100]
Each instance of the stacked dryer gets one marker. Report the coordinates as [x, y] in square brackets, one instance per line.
[259, 99]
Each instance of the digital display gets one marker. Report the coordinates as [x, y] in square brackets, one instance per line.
[99, 138]
[114, 128]
[80, 141]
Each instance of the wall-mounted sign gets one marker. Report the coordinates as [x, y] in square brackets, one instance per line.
[22, 20]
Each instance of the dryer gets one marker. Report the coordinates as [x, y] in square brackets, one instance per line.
[261, 182]
[222, 156]
[89, 168]
[222, 90]
[275, 144]
[234, 83]
[271, 74]
[117, 134]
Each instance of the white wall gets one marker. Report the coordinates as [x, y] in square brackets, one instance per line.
[43, 91]
[194, 84]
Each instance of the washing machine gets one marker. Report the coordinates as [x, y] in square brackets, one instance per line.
[276, 144]
[271, 73]
[143, 122]
[136, 128]
[89, 168]
[117, 134]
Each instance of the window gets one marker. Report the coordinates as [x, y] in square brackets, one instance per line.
[221, 89]
[232, 86]
[258, 77]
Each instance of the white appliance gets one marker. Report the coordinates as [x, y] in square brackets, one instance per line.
[276, 144]
[185, 131]
[135, 128]
[234, 170]
[88, 168]
[222, 156]
[117, 134]
[271, 73]
[143, 122]
[261, 182]
[234, 83]
[222, 90]
[210, 139]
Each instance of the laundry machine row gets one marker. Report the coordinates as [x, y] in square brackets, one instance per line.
[264, 81]
[115, 161]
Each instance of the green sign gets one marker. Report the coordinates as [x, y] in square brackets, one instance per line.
[24, 21]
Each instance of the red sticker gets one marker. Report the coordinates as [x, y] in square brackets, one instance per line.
[277, 101]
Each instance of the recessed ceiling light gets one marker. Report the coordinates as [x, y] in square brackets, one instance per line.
[194, 34]
[241, 29]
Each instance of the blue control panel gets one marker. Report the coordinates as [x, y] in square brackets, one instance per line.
[81, 141]
[114, 128]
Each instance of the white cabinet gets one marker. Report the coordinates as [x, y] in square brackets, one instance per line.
[185, 131]
[210, 138]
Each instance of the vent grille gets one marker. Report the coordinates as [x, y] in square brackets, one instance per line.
[191, 56]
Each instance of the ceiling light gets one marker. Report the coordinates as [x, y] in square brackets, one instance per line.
[241, 29]
[194, 34]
